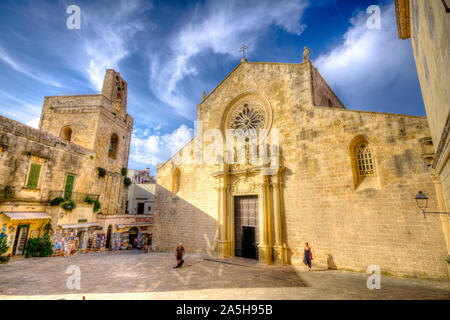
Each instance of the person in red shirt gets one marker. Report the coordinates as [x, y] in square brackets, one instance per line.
[180, 252]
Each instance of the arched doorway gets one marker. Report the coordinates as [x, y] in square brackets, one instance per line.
[133, 233]
[108, 237]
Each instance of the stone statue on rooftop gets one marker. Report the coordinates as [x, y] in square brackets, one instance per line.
[306, 53]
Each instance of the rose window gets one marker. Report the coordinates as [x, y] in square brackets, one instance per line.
[247, 117]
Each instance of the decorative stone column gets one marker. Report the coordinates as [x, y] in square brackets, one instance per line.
[219, 210]
[223, 242]
[263, 247]
[280, 247]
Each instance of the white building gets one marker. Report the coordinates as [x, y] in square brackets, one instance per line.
[141, 193]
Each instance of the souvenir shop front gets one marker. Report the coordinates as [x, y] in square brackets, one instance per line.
[82, 237]
[18, 227]
[133, 236]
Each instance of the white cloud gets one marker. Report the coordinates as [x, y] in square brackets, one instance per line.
[219, 26]
[366, 62]
[34, 123]
[109, 36]
[20, 110]
[6, 58]
[154, 149]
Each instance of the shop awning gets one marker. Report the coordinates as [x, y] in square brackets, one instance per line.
[80, 225]
[27, 215]
[137, 224]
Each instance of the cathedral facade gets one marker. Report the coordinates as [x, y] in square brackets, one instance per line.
[342, 180]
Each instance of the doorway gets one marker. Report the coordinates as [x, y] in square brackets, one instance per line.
[246, 226]
[108, 237]
[133, 233]
[248, 242]
[21, 240]
[141, 207]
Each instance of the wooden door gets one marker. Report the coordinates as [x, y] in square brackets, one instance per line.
[246, 226]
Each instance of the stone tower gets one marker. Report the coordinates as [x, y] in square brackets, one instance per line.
[98, 122]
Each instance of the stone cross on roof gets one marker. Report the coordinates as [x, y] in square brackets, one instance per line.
[242, 49]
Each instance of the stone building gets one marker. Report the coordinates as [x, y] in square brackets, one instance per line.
[141, 198]
[342, 180]
[427, 23]
[141, 176]
[75, 158]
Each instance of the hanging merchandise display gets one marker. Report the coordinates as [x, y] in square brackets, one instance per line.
[139, 240]
[73, 240]
[99, 242]
[125, 242]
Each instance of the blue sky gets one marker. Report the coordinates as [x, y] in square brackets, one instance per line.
[170, 51]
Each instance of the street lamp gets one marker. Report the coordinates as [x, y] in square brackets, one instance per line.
[422, 203]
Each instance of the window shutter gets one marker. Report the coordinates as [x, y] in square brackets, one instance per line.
[69, 186]
[33, 176]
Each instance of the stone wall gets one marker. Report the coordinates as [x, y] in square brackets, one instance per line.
[430, 33]
[21, 145]
[351, 227]
[190, 216]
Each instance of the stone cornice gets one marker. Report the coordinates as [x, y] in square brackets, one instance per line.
[443, 149]
[403, 18]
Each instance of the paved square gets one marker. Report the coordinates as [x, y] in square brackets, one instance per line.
[137, 275]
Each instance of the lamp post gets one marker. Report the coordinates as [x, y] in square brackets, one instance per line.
[422, 203]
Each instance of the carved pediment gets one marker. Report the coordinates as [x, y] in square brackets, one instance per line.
[244, 185]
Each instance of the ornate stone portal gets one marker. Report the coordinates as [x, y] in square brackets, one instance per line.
[251, 112]
[272, 245]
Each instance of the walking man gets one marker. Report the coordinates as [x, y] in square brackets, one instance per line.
[180, 252]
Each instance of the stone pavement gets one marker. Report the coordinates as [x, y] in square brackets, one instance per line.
[138, 275]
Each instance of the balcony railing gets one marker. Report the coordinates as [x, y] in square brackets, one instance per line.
[74, 196]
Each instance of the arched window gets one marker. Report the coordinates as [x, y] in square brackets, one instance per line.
[66, 133]
[364, 159]
[113, 146]
[176, 179]
[363, 164]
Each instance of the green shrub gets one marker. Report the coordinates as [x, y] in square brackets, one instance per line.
[124, 171]
[46, 246]
[56, 201]
[127, 182]
[33, 247]
[101, 172]
[39, 247]
[89, 200]
[47, 228]
[97, 206]
[3, 248]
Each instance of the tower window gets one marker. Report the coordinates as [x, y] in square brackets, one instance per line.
[113, 146]
[66, 133]
[364, 159]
